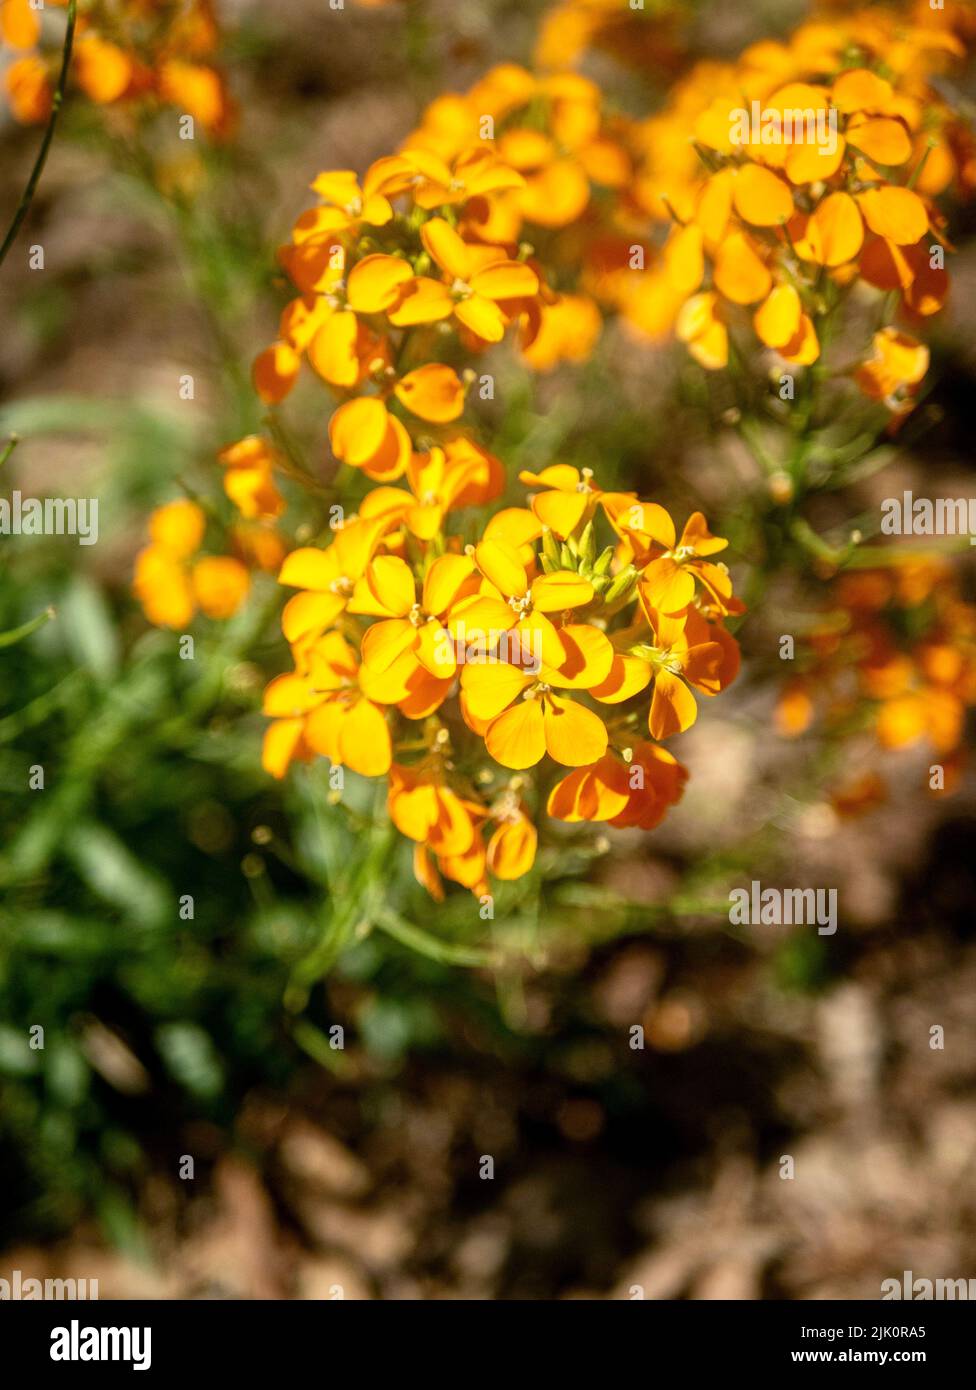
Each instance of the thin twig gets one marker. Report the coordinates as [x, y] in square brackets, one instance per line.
[56, 102]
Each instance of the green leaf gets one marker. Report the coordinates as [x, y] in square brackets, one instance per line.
[190, 1058]
[88, 630]
[116, 876]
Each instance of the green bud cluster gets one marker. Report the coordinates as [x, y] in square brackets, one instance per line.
[579, 554]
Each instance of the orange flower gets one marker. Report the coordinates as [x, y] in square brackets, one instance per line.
[567, 498]
[249, 479]
[410, 623]
[346, 207]
[19, 24]
[28, 89]
[634, 788]
[461, 474]
[478, 282]
[671, 567]
[169, 587]
[327, 578]
[433, 183]
[520, 716]
[511, 601]
[894, 372]
[433, 393]
[103, 70]
[198, 90]
[682, 656]
[701, 326]
[322, 709]
[564, 328]
[365, 435]
[512, 848]
[424, 808]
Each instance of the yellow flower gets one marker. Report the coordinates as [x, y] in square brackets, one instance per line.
[669, 566]
[412, 623]
[478, 282]
[511, 850]
[170, 587]
[511, 601]
[327, 578]
[634, 788]
[249, 479]
[522, 718]
[461, 474]
[322, 709]
[893, 373]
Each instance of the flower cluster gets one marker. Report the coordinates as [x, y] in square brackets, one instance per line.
[133, 52]
[474, 674]
[383, 291]
[649, 39]
[896, 651]
[574, 206]
[812, 172]
[173, 581]
[450, 236]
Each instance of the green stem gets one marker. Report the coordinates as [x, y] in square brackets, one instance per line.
[17, 634]
[836, 556]
[8, 448]
[28, 195]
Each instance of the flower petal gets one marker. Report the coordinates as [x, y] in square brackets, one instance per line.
[433, 392]
[374, 283]
[896, 213]
[445, 581]
[358, 429]
[588, 661]
[628, 676]
[574, 735]
[739, 273]
[447, 248]
[761, 197]
[275, 371]
[491, 686]
[552, 593]
[512, 848]
[517, 738]
[500, 564]
[673, 708]
[383, 642]
[422, 300]
[364, 740]
[778, 317]
[482, 316]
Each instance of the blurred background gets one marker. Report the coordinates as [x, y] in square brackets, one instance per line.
[317, 1167]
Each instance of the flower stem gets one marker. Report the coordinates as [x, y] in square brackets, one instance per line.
[56, 101]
